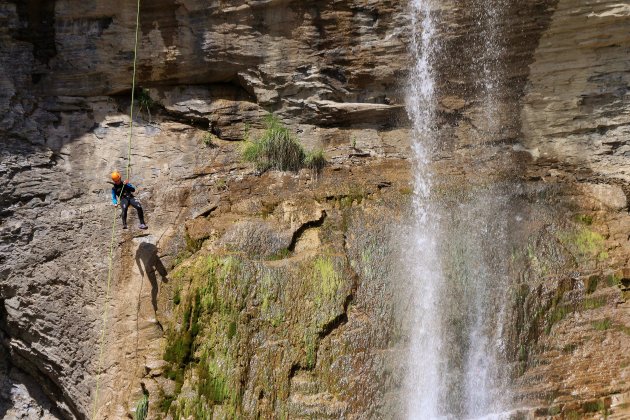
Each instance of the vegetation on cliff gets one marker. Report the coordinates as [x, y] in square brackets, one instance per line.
[277, 148]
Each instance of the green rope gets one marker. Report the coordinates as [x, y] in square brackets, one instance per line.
[113, 237]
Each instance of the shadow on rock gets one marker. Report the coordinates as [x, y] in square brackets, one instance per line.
[147, 257]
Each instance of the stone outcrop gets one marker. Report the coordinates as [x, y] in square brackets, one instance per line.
[544, 130]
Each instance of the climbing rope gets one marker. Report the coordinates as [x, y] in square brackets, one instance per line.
[115, 219]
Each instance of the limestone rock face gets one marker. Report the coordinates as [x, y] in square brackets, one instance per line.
[533, 97]
[576, 102]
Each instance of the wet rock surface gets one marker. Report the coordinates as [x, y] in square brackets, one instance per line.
[553, 143]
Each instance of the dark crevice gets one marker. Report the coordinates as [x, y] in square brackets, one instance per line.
[198, 121]
[298, 233]
[339, 320]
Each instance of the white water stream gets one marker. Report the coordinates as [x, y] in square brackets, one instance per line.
[454, 258]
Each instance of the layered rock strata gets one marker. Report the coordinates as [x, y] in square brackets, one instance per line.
[549, 121]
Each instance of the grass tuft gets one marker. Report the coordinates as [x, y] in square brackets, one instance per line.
[315, 161]
[142, 408]
[279, 149]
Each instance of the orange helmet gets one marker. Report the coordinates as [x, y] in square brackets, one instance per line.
[116, 176]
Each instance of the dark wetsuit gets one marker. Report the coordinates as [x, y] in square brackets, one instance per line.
[124, 191]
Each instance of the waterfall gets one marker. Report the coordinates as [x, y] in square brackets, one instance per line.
[455, 252]
[423, 382]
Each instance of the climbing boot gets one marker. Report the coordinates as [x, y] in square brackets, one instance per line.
[143, 226]
[124, 225]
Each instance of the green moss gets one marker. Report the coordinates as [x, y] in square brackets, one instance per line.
[355, 194]
[585, 244]
[231, 330]
[192, 245]
[326, 281]
[211, 381]
[591, 284]
[522, 354]
[554, 410]
[593, 406]
[200, 342]
[584, 219]
[310, 344]
[280, 255]
[405, 190]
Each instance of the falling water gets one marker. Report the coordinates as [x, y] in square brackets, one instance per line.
[423, 382]
[455, 250]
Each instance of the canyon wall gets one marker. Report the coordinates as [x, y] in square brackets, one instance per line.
[303, 312]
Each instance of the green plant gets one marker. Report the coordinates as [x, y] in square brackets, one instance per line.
[602, 325]
[554, 411]
[142, 408]
[584, 219]
[593, 303]
[280, 255]
[315, 161]
[181, 256]
[192, 245]
[208, 139]
[221, 184]
[585, 244]
[277, 148]
[145, 101]
[177, 298]
[557, 315]
[311, 351]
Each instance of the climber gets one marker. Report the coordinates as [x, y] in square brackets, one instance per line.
[123, 191]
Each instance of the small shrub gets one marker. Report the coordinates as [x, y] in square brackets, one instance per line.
[276, 149]
[279, 149]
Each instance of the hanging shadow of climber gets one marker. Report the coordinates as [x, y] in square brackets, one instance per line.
[147, 257]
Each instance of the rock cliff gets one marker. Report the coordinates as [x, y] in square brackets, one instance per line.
[277, 294]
